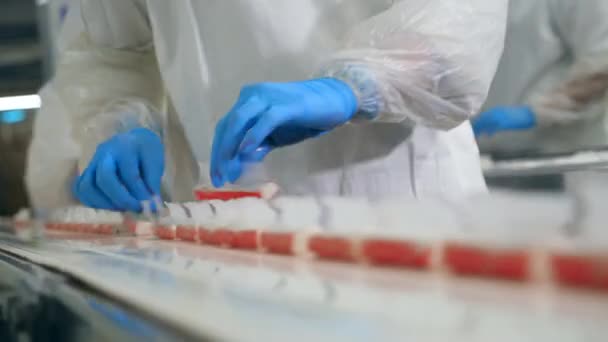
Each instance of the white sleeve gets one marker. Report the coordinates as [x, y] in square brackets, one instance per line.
[581, 94]
[107, 78]
[52, 156]
[427, 62]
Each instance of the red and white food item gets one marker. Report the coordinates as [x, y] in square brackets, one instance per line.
[255, 217]
[176, 215]
[266, 191]
[581, 261]
[580, 269]
[187, 229]
[297, 218]
[22, 219]
[408, 234]
[138, 226]
[108, 223]
[269, 191]
[496, 237]
[468, 258]
[344, 223]
[202, 214]
[217, 231]
[500, 236]
[84, 220]
[165, 229]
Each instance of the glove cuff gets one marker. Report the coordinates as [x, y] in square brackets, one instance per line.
[118, 117]
[122, 116]
[362, 84]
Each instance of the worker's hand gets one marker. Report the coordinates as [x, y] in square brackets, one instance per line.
[271, 115]
[124, 171]
[504, 119]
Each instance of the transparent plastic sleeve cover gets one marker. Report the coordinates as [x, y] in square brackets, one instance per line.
[425, 62]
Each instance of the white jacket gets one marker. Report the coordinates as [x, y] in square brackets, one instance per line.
[177, 67]
[555, 60]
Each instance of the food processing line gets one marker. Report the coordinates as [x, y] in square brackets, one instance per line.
[540, 276]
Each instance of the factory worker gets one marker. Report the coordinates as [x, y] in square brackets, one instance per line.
[53, 153]
[354, 98]
[550, 90]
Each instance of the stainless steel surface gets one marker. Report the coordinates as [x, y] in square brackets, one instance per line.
[21, 57]
[238, 296]
[38, 305]
[581, 161]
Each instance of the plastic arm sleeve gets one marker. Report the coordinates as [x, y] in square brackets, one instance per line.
[427, 62]
[582, 93]
[107, 77]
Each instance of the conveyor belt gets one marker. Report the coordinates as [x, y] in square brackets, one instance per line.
[543, 165]
[240, 296]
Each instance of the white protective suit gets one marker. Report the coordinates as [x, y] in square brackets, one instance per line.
[53, 153]
[556, 60]
[177, 67]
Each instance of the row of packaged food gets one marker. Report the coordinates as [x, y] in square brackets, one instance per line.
[480, 237]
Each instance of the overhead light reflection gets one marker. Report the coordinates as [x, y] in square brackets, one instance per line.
[19, 102]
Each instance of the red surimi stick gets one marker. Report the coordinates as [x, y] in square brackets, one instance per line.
[225, 195]
[333, 247]
[473, 260]
[246, 239]
[186, 233]
[277, 242]
[397, 253]
[580, 270]
[165, 232]
[221, 237]
[204, 235]
[265, 191]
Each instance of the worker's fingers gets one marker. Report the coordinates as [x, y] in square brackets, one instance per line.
[87, 192]
[239, 121]
[108, 182]
[264, 126]
[291, 134]
[214, 169]
[258, 155]
[235, 167]
[152, 163]
[230, 131]
[232, 170]
[129, 172]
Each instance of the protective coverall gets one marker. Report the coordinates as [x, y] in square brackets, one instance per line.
[176, 67]
[556, 64]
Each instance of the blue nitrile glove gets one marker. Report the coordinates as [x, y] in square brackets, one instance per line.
[124, 171]
[504, 119]
[271, 115]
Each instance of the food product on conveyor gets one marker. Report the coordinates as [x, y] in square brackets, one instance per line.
[479, 238]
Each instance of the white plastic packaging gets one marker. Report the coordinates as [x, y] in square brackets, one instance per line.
[418, 220]
[506, 219]
[254, 214]
[297, 214]
[225, 214]
[200, 212]
[348, 216]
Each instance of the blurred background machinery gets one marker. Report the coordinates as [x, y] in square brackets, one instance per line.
[27, 31]
[21, 73]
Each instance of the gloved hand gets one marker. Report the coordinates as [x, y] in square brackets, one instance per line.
[271, 115]
[124, 171]
[504, 119]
